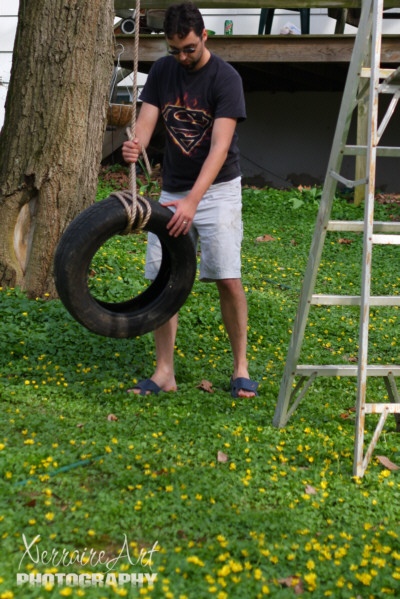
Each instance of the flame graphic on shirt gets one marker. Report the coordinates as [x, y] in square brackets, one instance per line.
[186, 124]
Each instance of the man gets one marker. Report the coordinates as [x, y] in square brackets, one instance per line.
[200, 98]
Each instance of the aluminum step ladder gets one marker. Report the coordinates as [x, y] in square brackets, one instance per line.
[365, 82]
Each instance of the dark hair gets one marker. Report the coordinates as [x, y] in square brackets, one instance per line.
[181, 19]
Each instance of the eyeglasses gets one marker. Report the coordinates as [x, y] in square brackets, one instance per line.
[188, 50]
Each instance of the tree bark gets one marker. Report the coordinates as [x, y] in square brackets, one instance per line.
[50, 145]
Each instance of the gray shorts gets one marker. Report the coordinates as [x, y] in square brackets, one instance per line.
[218, 226]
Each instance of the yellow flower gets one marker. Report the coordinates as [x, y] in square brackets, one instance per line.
[224, 571]
[193, 559]
[311, 580]
[49, 516]
[235, 566]
[365, 578]
[265, 589]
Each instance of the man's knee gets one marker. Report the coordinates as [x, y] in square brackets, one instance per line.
[230, 286]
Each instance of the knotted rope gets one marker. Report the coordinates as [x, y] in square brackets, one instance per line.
[129, 198]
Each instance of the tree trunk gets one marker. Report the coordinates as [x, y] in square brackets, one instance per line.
[50, 145]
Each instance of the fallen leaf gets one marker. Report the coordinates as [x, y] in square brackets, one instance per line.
[341, 240]
[112, 417]
[160, 472]
[293, 242]
[293, 582]
[387, 463]
[310, 490]
[80, 425]
[222, 457]
[206, 386]
[348, 413]
[265, 238]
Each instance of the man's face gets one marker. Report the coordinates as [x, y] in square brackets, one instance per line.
[189, 51]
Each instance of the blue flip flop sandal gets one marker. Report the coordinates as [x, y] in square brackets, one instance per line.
[146, 385]
[244, 384]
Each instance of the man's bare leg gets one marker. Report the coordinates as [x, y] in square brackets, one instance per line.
[164, 337]
[234, 315]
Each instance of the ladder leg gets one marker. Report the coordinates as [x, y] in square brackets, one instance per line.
[358, 465]
[336, 157]
[393, 396]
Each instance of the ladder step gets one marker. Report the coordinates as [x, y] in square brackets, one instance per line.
[354, 300]
[345, 370]
[391, 80]
[386, 239]
[379, 408]
[386, 151]
[383, 73]
[358, 226]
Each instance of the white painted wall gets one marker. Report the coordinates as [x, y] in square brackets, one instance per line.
[246, 21]
[8, 26]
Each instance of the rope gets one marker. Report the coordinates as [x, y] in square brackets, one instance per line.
[129, 199]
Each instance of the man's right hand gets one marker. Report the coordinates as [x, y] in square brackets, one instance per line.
[131, 150]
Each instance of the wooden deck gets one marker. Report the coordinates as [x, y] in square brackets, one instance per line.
[273, 62]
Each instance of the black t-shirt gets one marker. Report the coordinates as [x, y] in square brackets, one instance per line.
[189, 102]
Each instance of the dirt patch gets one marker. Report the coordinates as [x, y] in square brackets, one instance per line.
[120, 175]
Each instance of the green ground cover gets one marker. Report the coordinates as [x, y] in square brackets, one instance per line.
[233, 507]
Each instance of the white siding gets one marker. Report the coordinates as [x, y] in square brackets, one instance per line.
[8, 26]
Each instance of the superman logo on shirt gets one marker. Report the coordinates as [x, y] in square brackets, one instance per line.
[187, 126]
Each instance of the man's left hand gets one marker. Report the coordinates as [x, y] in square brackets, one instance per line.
[183, 217]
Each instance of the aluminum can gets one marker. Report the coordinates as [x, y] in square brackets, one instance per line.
[228, 27]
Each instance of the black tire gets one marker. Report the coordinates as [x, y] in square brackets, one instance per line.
[141, 314]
